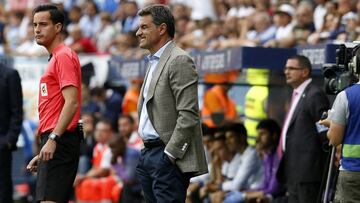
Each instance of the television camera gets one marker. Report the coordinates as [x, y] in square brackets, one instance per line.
[346, 70]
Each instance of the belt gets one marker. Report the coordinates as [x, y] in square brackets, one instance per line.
[153, 143]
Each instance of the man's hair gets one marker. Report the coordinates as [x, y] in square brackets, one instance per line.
[160, 14]
[105, 121]
[274, 130]
[128, 117]
[304, 62]
[271, 125]
[238, 129]
[56, 16]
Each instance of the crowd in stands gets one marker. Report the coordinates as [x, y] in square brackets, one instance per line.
[238, 172]
[109, 27]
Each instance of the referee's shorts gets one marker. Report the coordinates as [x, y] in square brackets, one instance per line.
[55, 177]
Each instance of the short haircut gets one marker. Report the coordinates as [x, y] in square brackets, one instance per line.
[56, 16]
[271, 125]
[236, 127]
[239, 131]
[274, 130]
[160, 14]
[106, 122]
[304, 62]
[128, 117]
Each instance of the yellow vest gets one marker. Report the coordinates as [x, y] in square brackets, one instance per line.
[255, 101]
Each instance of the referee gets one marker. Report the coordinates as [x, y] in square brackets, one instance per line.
[59, 110]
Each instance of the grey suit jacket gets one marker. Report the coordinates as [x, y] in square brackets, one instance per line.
[172, 105]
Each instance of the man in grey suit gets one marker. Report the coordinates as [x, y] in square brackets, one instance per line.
[168, 109]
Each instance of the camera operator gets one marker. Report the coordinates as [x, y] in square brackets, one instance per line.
[344, 127]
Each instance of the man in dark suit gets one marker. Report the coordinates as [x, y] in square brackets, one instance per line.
[169, 120]
[303, 159]
[11, 114]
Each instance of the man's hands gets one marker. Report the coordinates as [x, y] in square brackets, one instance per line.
[47, 151]
[32, 166]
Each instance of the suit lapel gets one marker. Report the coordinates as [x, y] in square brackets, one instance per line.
[157, 72]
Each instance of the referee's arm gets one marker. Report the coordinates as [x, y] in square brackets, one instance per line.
[67, 113]
[70, 94]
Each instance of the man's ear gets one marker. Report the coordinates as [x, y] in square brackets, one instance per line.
[163, 28]
[58, 27]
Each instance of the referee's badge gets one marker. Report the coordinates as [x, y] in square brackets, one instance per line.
[43, 90]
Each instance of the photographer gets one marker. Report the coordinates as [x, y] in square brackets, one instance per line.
[344, 126]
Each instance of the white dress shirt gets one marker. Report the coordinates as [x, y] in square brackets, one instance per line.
[146, 129]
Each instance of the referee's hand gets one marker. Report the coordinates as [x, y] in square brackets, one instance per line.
[47, 151]
[32, 166]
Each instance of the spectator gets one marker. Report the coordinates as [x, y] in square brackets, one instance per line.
[106, 33]
[248, 170]
[74, 16]
[180, 11]
[218, 154]
[329, 30]
[127, 130]
[87, 186]
[180, 26]
[319, 14]
[263, 30]
[60, 5]
[125, 45]
[350, 22]
[29, 47]
[124, 160]
[11, 30]
[267, 141]
[109, 6]
[109, 102]
[304, 26]
[283, 19]
[81, 43]
[131, 21]
[90, 22]
[87, 103]
[87, 147]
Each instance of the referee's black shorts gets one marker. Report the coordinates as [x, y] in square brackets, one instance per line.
[55, 177]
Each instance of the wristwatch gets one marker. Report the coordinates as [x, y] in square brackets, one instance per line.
[54, 137]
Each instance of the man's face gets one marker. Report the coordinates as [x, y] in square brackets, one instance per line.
[295, 75]
[219, 149]
[231, 141]
[44, 29]
[103, 132]
[263, 139]
[148, 34]
[125, 127]
[88, 126]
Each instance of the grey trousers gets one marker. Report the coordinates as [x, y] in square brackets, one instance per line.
[348, 187]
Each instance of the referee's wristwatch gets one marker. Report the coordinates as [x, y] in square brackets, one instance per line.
[54, 137]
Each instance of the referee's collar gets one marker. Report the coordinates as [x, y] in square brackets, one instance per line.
[55, 50]
[50, 57]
